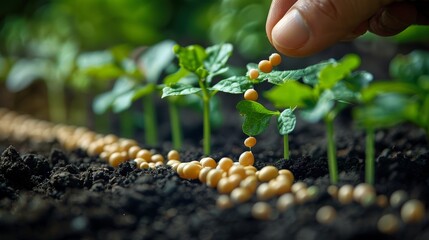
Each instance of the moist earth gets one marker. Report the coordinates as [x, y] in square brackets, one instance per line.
[49, 193]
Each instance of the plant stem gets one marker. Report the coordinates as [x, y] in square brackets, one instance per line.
[127, 124]
[206, 119]
[57, 105]
[150, 126]
[332, 158]
[176, 130]
[286, 147]
[369, 156]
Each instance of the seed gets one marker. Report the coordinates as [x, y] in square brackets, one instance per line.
[246, 158]
[275, 59]
[133, 150]
[203, 174]
[157, 164]
[265, 192]
[95, 148]
[388, 224]
[235, 179]
[382, 201]
[110, 138]
[267, 173]
[126, 144]
[312, 191]
[224, 186]
[363, 191]
[191, 171]
[333, 191]
[171, 162]
[250, 168]
[253, 74]
[250, 142]
[144, 165]
[326, 215]
[213, 177]
[145, 154]
[251, 95]
[180, 168]
[345, 194]
[413, 211]
[174, 166]
[105, 155]
[265, 66]
[116, 158]
[208, 162]
[281, 186]
[240, 195]
[225, 163]
[237, 169]
[152, 165]
[173, 155]
[398, 198]
[261, 211]
[298, 186]
[287, 173]
[302, 196]
[250, 183]
[224, 202]
[157, 158]
[138, 161]
[285, 201]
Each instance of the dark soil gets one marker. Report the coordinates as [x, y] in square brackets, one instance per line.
[47, 193]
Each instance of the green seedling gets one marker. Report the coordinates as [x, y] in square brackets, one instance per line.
[257, 118]
[138, 80]
[198, 67]
[321, 95]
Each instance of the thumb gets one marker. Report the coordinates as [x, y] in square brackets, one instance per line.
[310, 26]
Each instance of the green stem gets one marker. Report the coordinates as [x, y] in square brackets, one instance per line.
[150, 126]
[206, 117]
[176, 130]
[369, 156]
[57, 105]
[127, 124]
[332, 158]
[286, 147]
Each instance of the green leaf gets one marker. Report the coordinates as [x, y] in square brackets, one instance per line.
[358, 80]
[144, 90]
[309, 74]
[290, 94]
[123, 102]
[234, 85]
[217, 56]
[333, 73]
[94, 59]
[106, 100]
[256, 117]
[180, 75]
[323, 106]
[102, 102]
[409, 68]
[286, 122]
[377, 88]
[155, 60]
[191, 57]
[25, 71]
[179, 89]
[343, 94]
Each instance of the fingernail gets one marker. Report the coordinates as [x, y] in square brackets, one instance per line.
[291, 32]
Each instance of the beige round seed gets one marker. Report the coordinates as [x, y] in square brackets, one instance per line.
[250, 168]
[224, 186]
[157, 158]
[275, 59]
[281, 185]
[152, 165]
[191, 171]
[126, 144]
[240, 195]
[388, 224]
[250, 142]
[265, 66]
[251, 95]
[302, 196]
[413, 211]
[174, 166]
[363, 191]
[237, 169]
[95, 148]
[110, 138]
[265, 192]
[246, 159]
[117, 158]
[225, 163]
[224, 202]
[398, 198]
[180, 168]
[253, 74]
[203, 174]
[333, 191]
[326, 215]
[138, 161]
[250, 183]
[173, 155]
[133, 150]
[298, 186]
[144, 165]
[171, 162]
[213, 177]
[235, 179]
[208, 162]
[345, 194]
[261, 211]
[267, 173]
[157, 164]
[285, 201]
[288, 174]
[145, 154]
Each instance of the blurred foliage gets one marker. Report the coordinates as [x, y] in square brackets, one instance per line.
[242, 22]
[413, 34]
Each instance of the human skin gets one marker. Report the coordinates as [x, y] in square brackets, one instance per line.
[304, 27]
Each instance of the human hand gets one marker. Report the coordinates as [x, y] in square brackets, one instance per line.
[304, 27]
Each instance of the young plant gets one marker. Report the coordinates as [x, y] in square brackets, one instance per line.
[198, 67]
[138, 79]
[322, 95]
